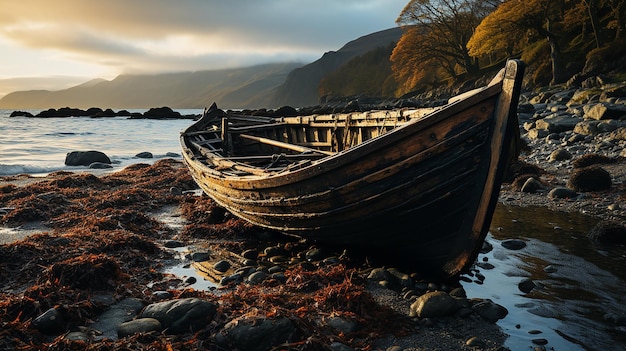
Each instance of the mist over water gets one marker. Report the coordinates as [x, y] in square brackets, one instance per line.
[39, 145]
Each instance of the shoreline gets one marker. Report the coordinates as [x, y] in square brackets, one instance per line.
[176, 195]
[138, 230]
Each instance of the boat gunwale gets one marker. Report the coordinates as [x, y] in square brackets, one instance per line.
[331, 162]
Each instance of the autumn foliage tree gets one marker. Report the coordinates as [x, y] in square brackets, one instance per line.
[513, 20]
[435, 38]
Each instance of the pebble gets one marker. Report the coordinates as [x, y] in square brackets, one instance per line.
[475, 342]
[222, 266]
[50, 322]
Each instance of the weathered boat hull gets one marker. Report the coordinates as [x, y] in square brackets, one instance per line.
[422, 192]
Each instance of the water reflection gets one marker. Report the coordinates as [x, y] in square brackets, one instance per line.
[579, 299]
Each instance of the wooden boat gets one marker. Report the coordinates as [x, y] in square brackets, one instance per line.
[418, 187]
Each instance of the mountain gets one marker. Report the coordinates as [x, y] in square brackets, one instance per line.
[230, 88]
[269, 85]
[302, 84]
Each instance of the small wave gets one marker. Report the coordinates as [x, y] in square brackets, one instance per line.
[6, 170]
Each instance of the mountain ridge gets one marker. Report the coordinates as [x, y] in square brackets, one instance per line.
[261, 86]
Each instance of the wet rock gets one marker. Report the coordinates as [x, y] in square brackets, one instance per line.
[144, 154]
[257, 277]
[531, 185]
[161, 113]
[255, 333]
[590, 179]
[173, 244]
[562, 193]
[222, 266]
[162, 295]
[342, 324]
[526, 285]
[314, 254]
[85, 158]
[557, 123]
[605, 110]
[50, 322]
[181, 315]
[490, 311]
[560, 155]
[141, 325]
[379, 274]
[475, 342]
[110, 320]
[250, 254]
[608, 232]
[233, 278]
[77, 336]
[99, 165]
[514, 244]
[200, 256]
[434, 304]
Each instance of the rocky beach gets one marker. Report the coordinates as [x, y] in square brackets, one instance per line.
[92, 270]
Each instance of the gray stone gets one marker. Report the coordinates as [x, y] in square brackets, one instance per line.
[526, 285]
[144, 154]
[85, 158]
[343, 325]
[562, 193]
[141, 325]
[514, 244]
[605, 110]
[77, 336]
[255, 333]
[110, 320]
[434, 304]
[200, 256]
[586, 128]
[490, 311]
[557, 124]
[257, 277]
[222, 266]
[531, 185]
[560, 155]
[181, 315]
[50, 322]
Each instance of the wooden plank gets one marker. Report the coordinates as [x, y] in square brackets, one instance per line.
[284, 145]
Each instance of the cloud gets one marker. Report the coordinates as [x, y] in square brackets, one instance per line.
[191, 34]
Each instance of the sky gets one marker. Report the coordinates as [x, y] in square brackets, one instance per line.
[54, 44]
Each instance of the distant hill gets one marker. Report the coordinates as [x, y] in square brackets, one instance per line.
[262, 86]
[248, 87]
[302, 85]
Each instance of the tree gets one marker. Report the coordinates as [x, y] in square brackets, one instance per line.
[437, 32]
[513, 20]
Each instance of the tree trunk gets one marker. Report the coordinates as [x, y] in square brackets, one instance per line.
[592, 7]
[558, 70]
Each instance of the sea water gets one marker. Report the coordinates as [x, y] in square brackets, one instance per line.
[38, 146]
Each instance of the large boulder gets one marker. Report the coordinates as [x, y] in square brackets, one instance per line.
[85, 158]
[181, 315]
